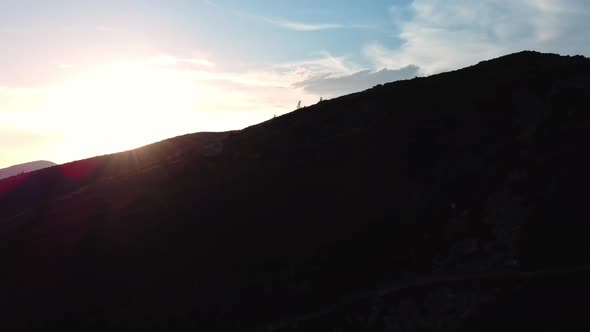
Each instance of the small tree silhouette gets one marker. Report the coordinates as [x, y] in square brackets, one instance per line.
[299, 104]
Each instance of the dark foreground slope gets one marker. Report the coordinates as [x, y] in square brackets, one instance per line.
[23, 168]
[454, 202]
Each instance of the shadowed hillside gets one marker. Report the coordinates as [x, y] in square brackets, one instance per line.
[451, 203]
[24, 168]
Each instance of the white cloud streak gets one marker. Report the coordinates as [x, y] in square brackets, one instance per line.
[304, 26]
[299, 26]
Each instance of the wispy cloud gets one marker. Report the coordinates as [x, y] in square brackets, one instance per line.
[323, 63]
[305, 26]
[300, 26]
[278, 86]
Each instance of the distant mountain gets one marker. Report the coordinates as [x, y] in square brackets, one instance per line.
[456, 202]
[24, 168]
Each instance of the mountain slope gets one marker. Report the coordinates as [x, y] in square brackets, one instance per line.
[457, 191]
[22, 168]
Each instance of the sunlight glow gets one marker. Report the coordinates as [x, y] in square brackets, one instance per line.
[120, 105]
[124, 105]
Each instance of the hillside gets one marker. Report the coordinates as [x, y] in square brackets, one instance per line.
[454, 202]
[24, 168]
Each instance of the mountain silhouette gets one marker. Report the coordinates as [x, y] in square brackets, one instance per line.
[23, 168]
[455, 202]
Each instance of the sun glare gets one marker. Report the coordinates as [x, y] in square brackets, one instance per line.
[123, 105]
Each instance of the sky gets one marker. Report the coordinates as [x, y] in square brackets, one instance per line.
[86, 78]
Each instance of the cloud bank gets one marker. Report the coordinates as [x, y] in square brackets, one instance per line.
[443, 35]
[329, 86]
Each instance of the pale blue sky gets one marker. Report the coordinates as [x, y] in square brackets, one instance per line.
[147, 70]
[239, 33]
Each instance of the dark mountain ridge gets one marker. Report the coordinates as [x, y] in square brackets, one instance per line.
[452, 202]
[23, 168]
